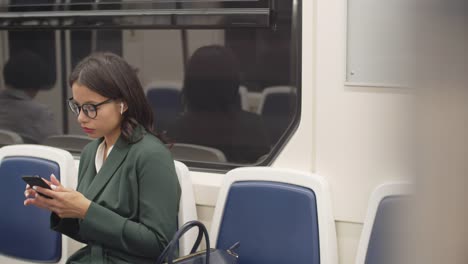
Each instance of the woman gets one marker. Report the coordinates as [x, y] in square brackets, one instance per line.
[213, 114]
[126, 203]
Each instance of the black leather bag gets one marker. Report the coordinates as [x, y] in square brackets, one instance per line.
[213, 256]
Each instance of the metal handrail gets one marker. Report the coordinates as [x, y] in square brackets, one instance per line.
[140, 12]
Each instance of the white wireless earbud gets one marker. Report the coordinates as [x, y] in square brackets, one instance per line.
[121, 108]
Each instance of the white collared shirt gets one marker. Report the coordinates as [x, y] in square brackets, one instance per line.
[99, 160]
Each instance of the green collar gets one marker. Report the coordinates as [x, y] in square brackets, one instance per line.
[112, 163]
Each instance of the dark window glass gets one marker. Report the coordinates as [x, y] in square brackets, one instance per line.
[40, 42]
[224, 95]
[83, 42]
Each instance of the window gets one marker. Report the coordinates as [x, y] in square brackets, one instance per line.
[223, 77]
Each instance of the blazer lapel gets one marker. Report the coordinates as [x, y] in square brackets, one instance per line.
[88, 168]
[112, 163]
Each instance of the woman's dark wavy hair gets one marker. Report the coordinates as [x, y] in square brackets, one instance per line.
[27, 70]
[211, 81]
[111, 76]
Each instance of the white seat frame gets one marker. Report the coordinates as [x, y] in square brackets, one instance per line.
[326, 224]
[187, 208]
[381, 192]
[74, 143]
[244, 98]
[217, 154]
[68, 178]
[12, 137]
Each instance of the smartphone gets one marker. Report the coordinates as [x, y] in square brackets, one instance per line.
[37, 181]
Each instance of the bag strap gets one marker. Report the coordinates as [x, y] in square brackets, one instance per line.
[163, 255]
[194, 248]
[171, 247]
[197, 242]
[186, 227]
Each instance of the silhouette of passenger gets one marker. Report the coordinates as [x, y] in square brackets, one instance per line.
[213, 116]
[25, 74]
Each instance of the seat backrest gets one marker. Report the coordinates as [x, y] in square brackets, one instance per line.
[276, 100]
[182, 151]
[72, 143]
[382, 225]
[276, 107]
[9, 138]
[187, 208]
[277, 215]
[165, 100]
[25, 231]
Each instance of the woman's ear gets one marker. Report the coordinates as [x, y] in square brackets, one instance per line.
[123, 108]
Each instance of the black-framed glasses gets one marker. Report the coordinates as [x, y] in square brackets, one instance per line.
[90, 110]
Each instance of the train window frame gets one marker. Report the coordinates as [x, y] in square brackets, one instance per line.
[296, 50]
[150, 14]
[295, 65]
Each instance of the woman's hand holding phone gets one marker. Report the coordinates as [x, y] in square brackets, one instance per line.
[65, 202]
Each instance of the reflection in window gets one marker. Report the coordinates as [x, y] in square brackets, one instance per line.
[83, 42]
[213, 116]
[227, 90]
[25, 74]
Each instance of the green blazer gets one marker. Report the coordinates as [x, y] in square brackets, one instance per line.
[135, 199]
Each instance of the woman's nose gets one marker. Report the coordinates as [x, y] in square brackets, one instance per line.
[82, 117]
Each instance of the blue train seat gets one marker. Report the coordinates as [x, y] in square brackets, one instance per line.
[277, 109]
[166, 103]
[26, 236]
[278, 216]
[25, 230]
